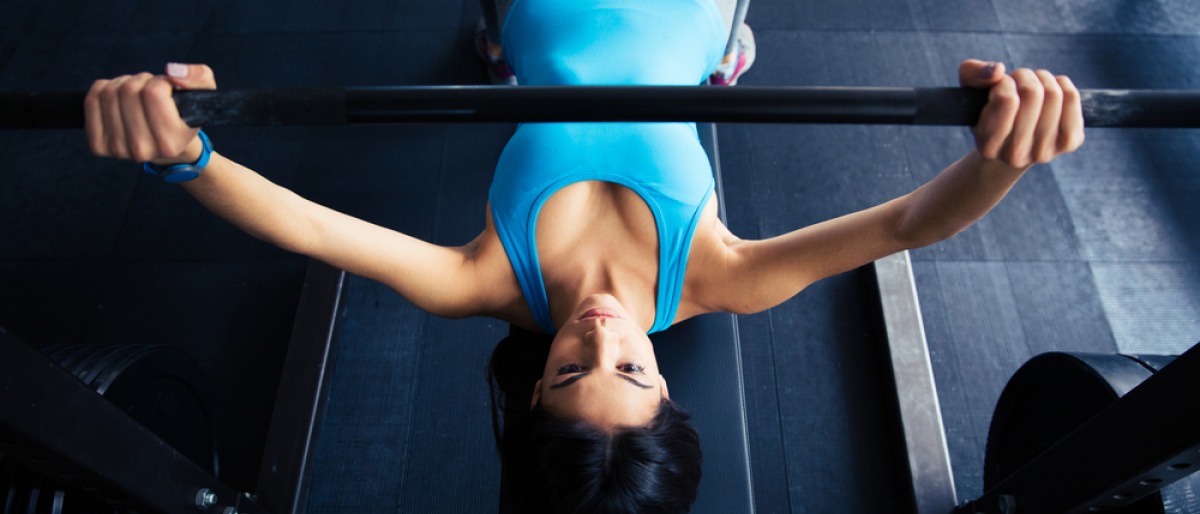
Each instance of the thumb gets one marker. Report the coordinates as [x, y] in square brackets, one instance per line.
[191, 76]
[980, 74]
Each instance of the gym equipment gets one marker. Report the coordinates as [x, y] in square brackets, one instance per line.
[161, 387]
[1054, 393]
[354, 105]
[379, 105]
[158, 387]
[1095, 433]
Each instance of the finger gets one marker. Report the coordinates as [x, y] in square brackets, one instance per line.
[171, 134]
[139, 141]
[996, 119]
[1045, 139]
[93, 119]
[114, 125]
[980, 74]
[1070, 131]
[1018, 150]
[191, 76]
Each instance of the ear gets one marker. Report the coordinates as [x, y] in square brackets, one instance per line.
[663, 386]
[537, 394]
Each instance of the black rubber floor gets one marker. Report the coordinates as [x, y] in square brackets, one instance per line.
[1097, 251]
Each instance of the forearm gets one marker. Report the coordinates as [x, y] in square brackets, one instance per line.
[437, 279]
[254, 204]
[958, 197]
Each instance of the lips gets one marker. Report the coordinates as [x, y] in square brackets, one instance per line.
[600, 313]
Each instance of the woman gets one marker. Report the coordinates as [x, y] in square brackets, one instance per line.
[599, 234]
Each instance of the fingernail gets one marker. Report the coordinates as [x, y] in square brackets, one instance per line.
[987, 71]
[176, 70]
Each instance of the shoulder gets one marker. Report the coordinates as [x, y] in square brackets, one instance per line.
[498, 294]
[713, 257]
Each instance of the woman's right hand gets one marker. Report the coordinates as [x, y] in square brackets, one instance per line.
[134, 117]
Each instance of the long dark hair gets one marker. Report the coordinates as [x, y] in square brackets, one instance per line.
[556, 465]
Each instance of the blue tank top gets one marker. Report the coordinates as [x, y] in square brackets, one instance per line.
[607, 42]
[613, 42]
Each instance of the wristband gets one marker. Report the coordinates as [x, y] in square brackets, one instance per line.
[176, 173]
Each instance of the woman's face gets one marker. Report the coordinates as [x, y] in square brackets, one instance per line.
[601, 368]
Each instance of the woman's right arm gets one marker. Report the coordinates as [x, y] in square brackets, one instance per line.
[134, 117]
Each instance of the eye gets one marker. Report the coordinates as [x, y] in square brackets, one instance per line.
[569, 367]
[630, 367]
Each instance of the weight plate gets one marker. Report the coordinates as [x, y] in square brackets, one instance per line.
[46, 490]
[1154, 362]
[8, 485]
[66, 357]
[57, 499]
[51, 352]
[104, 380]
[101, 367]
[165, 390]
[1047, 398]
[29, 492]
[87, 363]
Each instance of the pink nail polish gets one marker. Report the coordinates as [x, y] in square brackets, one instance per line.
[176, 70]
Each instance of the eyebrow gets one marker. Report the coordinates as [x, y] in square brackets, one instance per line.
[576, 378]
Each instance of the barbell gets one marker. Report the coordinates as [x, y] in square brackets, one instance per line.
[481, 104]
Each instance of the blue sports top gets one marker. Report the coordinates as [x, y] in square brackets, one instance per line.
[607, 42]
[613, 42]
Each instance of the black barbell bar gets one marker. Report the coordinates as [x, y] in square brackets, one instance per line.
[482, 104]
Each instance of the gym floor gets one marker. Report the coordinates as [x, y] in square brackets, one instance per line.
[1094, 252]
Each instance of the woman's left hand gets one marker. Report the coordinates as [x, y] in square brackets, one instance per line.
[1031, 116]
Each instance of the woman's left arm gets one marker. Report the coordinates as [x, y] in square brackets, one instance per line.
[1031, 117]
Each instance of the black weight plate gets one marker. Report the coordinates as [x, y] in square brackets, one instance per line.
[78, 503]
[1154, 362]
[87, 354]
[30, 492]
[165, 390]
[97, 364]
[8, 486]
[66, 357]
[46, 490]
[56, 496]
[88, 362]
[101, 368]
[1031, 413]
[51, 352]
[1047, 398]
[12, 477]
[118, 365]
[57, 500]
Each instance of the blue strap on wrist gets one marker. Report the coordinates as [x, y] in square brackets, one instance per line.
[176, 173]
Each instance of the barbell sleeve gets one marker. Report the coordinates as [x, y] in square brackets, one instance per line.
[484, 104]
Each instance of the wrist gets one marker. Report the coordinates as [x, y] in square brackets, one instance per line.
[987, 165]
[187, 170]
[191, 154]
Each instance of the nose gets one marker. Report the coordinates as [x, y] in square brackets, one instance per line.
[604, 344]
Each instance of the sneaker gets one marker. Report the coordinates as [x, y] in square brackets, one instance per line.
[730, 70]
[497, 69]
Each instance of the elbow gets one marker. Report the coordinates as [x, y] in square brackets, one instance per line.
[913, 239]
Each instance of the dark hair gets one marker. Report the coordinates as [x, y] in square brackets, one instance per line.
[556, 465]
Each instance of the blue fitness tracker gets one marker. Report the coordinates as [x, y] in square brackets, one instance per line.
[176, 173]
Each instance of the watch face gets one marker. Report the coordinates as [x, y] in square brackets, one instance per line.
[180, 175]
